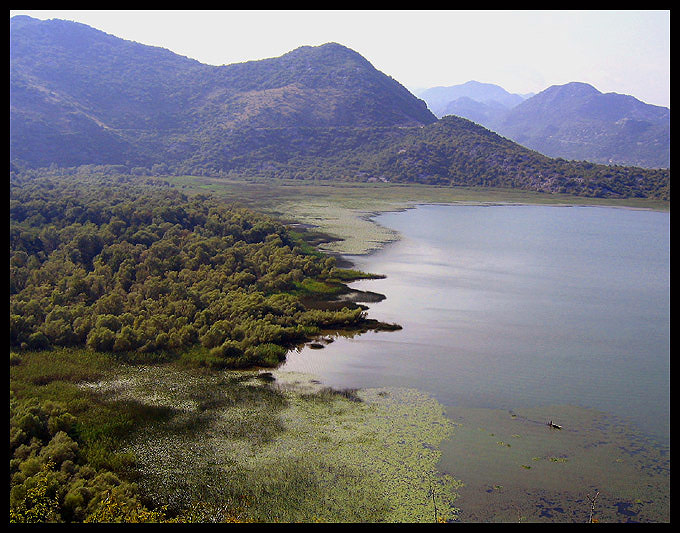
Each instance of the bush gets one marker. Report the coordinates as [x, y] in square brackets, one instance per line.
[268, 354]
[38, 341]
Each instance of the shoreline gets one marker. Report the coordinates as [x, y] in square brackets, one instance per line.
[372, 246]
[618, 503]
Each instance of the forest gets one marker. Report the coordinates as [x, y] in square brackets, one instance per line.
[142, 268]
[104, 271]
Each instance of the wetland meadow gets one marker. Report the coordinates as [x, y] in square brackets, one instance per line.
[500, 460]
[441, 420]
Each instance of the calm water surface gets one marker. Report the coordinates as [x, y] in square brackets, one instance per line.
[510, 307]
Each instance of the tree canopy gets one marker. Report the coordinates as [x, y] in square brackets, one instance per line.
[136, 267]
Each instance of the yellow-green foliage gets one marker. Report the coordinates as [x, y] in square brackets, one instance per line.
[36, 504]
[50, 478]
[142, 269]
[115, 509]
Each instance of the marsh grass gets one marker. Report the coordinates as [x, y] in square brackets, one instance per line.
[329, 394]
[281, 447]
[310, 286]
[263, 446]
[60, 364]
[348, 274]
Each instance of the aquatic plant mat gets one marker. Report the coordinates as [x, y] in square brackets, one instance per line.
[281, 447]
[518, 469]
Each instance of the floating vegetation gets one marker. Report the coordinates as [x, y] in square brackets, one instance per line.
[546, 479]
[356, 233]
[281, 447]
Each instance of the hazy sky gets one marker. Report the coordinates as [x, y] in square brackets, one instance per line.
[622, 51]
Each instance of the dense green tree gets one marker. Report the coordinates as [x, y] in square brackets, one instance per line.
[138, 267]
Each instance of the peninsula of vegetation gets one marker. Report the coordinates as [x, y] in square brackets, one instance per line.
[103, 274]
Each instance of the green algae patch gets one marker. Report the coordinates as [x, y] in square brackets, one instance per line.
[390, 438]
[281, 447]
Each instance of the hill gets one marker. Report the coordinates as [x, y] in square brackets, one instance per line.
[79, 95]
[576, 121]
[82, 98]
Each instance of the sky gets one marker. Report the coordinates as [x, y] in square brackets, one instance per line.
[523, 51]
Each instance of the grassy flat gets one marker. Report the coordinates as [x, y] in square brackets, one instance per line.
[343, 210]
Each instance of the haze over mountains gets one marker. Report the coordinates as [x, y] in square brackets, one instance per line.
[572, 121]
[79, 96]
[486, 98]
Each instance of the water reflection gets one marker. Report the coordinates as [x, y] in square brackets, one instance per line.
[518, 306]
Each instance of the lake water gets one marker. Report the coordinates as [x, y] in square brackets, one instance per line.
[518, 306]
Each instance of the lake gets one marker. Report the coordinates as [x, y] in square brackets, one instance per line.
[517, 306]
[510, 307]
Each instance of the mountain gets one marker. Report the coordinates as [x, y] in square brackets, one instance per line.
[480, 112]
[576, 121]
[441, 100]
[572, 121]
[79, 95]
[82, 100]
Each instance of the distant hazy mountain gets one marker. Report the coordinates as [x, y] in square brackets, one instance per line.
[573, 121]
[484, 113]
[444, 100]
[576, 121]
[80, 97]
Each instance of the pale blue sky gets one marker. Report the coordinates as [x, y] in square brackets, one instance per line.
[623, 51]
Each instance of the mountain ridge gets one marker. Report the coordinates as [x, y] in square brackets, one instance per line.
[575, 120]
[439, 98]
[572, 121]
[316, 112]
[123, 92]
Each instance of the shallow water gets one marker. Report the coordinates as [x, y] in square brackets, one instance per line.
[518, 306]
[516, 468]
[556, 309]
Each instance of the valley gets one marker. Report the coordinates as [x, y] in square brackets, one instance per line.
[289, 290]
[344, 210]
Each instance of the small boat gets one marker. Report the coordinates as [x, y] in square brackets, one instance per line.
[555, 426]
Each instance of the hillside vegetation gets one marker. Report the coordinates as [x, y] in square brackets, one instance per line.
[81, 97]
